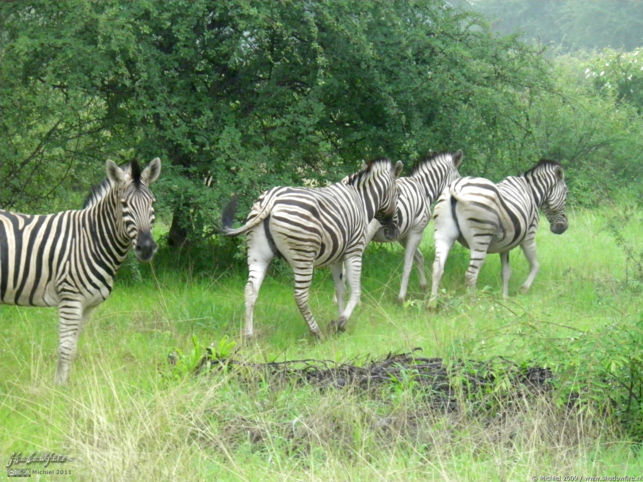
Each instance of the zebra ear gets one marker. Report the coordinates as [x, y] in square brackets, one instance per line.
[114, 173]
[398, 168]
[457, 158]
[559, 173]
[152, 171]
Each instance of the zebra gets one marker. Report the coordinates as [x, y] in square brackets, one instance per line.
[495, 218]
[68, 259]
[415, 194]
[318, 226]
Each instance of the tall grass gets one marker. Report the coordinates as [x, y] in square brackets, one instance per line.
[129, 414]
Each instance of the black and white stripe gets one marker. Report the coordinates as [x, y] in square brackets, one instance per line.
[69, 259]
[415, 194]
[312, 227]
[495, 218]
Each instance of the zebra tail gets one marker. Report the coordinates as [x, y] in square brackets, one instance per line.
[450, 196]
[455, 194]
[452, 191]
[227, 218]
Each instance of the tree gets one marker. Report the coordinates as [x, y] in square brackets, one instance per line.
[49, 129]
[237, 96]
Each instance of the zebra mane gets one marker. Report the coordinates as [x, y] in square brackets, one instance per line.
[356, 176]
[100, 190]
[135, 172]
[97, 193]
[542, 163]
[438, 156]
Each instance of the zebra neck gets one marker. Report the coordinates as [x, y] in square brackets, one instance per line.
[539, 186]
[427, 179]
[365, 193]
[370, 204]
[108, 242]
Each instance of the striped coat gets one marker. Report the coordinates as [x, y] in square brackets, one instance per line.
[415, 194]
[313, 227]
[495, 218]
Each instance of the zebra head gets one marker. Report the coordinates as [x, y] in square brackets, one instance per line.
[382, 194]
[136, 200]
[548, 177]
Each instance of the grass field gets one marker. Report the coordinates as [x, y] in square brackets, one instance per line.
[129, 415]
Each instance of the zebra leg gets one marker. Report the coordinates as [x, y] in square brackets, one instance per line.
[257, 273]
[337, 270]
[341, 278]
[373, 228]
[444, 240]
[419, 263]
[259, 256]
[529, 248]
[353, 275]
[303, 279]
[505, 273]
[70, 321]
[476, 259]
[412, 242]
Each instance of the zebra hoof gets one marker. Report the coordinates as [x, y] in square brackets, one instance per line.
[432, 304]
[400, 300]
[339, 324]
[61, 379]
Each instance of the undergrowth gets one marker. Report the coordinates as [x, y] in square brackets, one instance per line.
[136, 410]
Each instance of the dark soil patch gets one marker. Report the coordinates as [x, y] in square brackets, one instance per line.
[443, 382]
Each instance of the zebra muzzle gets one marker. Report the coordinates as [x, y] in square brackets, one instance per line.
[145, 246]
[391, 232]
[389, 228]
[558, 228]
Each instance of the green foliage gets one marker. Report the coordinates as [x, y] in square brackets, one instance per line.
[595, 137]
[633, 252]
[599, 370]
[192, 362]
[238, 96]
[53, 118]
[255, 94]
[618, 75]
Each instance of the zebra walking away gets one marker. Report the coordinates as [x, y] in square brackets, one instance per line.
[495, 218]
[69, 259]
[415, 194]
[313, 227]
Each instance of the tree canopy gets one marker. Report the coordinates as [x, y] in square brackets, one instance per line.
[237, 96]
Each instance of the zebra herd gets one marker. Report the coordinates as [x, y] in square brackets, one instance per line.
[69, 259]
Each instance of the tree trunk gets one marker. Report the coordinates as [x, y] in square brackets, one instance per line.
[178, 234]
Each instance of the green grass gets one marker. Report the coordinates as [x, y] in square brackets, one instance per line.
[128, 415]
